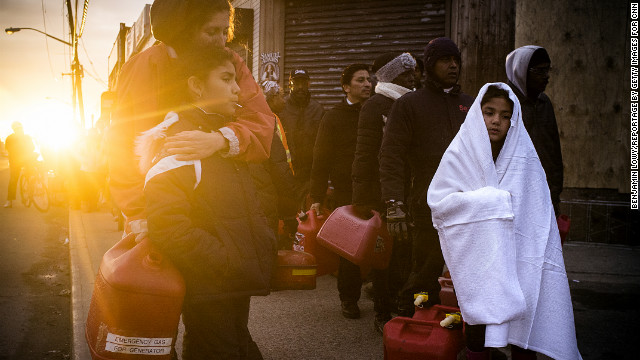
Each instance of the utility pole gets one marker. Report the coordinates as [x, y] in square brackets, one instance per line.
[77, 71]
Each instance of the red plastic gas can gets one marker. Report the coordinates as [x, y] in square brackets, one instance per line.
[447, 292]
[422, 337]
[136, 304]
[306, 240]
[364, 242]
[295, 270]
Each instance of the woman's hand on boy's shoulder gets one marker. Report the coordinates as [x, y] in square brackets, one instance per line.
[194, 144]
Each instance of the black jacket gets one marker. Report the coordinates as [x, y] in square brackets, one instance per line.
[276, 188]
[215, 233]
[365, 170]
[420, 127]
[300, 123]
[333, 153]
[540, 121]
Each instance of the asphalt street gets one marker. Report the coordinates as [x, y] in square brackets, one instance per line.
[292, 325]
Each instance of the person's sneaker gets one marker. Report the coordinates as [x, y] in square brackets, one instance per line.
[8, 204]
[350, 309]
[379, 321]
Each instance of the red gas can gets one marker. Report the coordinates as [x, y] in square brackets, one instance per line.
[308, 226]
[295, 270]
[364, 242]
[422, 337]
[447, 292]
[136, 304]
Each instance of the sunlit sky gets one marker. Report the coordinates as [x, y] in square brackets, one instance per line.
[32, 87]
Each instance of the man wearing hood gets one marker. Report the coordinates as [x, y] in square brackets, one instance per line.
[421, 125]
[396, 77]
[528, 70]
[300, 119]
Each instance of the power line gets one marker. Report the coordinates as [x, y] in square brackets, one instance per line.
[95, 75]
[46, 40]
[84, 17]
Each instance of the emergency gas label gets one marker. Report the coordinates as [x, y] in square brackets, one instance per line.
[136, 345]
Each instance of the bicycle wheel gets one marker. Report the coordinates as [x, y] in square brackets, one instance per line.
[24, 191]
[39, 193]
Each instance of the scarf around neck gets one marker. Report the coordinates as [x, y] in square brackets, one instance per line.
[391, 90]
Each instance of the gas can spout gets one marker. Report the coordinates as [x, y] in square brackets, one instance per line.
[420, 298]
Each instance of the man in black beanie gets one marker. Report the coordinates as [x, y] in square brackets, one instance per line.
[528, 70]
[420, 127]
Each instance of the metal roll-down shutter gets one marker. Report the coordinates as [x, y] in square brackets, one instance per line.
[324, 37]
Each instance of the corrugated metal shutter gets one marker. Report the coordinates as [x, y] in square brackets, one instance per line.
[324, 37]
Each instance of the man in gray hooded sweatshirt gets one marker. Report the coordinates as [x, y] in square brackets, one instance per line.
[528, 70]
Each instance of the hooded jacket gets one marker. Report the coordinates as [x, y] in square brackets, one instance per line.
[539, 120]
[204, 215]
[334, 151]
[421, 125]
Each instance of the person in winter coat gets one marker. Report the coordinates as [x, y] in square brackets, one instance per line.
[492, 208]
[419, 128]
[274, 180]
[144, 95]
[528, 70]
[395, 73]
[205, 217]
[332, 159]
[20, 148]
[300, 118]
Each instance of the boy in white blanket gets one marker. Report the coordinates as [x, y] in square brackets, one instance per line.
[492, 208]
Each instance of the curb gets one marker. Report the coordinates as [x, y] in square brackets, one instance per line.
[82, 279]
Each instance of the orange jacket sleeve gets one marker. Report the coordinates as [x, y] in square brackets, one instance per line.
[254, 125]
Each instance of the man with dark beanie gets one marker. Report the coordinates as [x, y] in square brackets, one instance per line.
[333, 155]
[420, 127]
[528, 70]
[396, 77]
[146, 91]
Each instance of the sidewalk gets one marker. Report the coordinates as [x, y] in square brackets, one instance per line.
[92, 234]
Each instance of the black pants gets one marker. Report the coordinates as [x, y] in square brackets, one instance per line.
[388, 282]
[14, 175]
[218, 330]
[349, 281]
[427, 264]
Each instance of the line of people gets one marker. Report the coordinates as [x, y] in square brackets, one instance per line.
[205, 119]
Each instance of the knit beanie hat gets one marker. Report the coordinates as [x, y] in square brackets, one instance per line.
[438, 48]
[538, 57]
[167, 19]
[171, 20]
[389, 66]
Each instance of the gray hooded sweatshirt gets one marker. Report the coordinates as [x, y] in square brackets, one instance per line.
[539, 120]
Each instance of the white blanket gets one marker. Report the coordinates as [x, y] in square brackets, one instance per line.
[500, 239]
